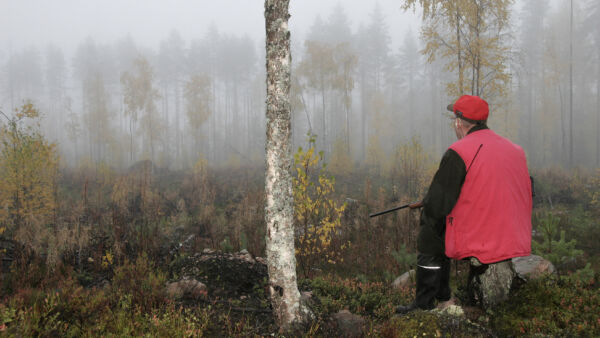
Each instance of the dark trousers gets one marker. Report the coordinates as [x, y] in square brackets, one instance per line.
[433, 280]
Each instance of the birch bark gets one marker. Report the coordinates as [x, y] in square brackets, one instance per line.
[279, 208]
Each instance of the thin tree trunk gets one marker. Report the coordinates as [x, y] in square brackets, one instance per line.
[459, 49]
[434, 109]
[478, 52]
[151, 130]
[131, 140]
[279, 209]
[178, 135]
[598, 119]
[530, 109]
[363, 115]
[563, 132]
[166, 113]
[571, 90]
[213, 123]
[347, 105]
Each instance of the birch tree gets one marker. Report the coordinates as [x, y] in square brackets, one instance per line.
[279, 209]
[471, 35]
[28, 171]
[591, 26]
[198, 103]
[140, 97]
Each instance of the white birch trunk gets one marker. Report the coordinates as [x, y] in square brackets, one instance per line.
[279, 209]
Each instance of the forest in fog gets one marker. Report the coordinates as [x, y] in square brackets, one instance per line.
[139, 190]
[361, 93]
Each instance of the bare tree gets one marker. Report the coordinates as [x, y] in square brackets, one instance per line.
[279, 209]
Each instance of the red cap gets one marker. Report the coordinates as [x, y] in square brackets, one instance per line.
[471, 108]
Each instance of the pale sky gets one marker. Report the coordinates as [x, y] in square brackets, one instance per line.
[68, 22]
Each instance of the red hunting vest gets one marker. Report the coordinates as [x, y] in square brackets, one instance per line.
[492, 217]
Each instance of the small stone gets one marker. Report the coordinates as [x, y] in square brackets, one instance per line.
[405, 280]
[348, 324]
[104, 284]
[453, 310]
[186, 288]
[244, 255]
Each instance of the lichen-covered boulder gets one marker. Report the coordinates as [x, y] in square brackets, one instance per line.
[490, 284]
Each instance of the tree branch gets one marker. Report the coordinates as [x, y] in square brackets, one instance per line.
[1, 112]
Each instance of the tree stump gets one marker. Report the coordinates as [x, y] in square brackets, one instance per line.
[489, 284]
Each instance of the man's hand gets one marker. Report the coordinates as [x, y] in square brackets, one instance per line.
[416, 205]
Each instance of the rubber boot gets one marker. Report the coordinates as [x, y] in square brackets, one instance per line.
[428, 285]
[444, 292]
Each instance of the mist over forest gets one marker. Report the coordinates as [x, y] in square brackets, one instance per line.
[360, 87]
[140, 189]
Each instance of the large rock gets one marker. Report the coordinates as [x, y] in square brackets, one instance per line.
[348, 325]
[405, 280]
[490, 284]
[533, 267]
[226, 275]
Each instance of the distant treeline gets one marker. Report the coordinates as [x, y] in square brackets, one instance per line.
[120, 102]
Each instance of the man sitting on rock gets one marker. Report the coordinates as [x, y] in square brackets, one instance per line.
[478, 205]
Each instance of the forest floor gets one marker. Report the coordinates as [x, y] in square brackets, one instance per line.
[120, 253]
[134, 301]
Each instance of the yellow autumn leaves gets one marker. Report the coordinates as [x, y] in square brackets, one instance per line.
[317, 214]
[28, 174]
[471, 37]
[28, 171]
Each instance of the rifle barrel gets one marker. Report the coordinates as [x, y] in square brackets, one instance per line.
[409, 205]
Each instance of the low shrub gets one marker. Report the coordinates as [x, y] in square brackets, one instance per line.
[565, 307]
[140, 280]
[366, 298]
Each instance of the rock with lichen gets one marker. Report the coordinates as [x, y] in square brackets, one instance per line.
[490, 284]
[533, 267]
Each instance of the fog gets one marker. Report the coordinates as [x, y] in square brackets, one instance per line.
[81, 63]
[68, 22]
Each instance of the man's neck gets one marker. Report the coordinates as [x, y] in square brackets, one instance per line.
[477, 127]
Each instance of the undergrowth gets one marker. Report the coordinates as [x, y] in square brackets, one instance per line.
[564, 307]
